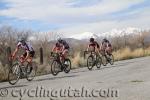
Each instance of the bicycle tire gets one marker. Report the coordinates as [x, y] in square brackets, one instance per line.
[53, 66]
[67, 69]
[16, 71]
[90, 64]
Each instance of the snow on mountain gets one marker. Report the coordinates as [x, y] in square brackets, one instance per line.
[121, 32]
[85, 35]
[112, 33]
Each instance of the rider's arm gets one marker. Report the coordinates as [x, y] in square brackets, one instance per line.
[53, 48]
[14, 53]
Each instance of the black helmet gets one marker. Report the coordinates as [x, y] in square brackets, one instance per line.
[91, 39]
[105, 40]
[57, 45]
[59, 40]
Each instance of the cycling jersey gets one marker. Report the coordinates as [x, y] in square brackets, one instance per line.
[94, 44]
[57, 47]
[26, 47]
[106, 44]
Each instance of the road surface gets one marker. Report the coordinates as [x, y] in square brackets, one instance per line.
[125, 80]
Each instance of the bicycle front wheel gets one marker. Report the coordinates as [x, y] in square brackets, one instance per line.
[90, 62]
[104, 60]
[55, 67]
[14, 74]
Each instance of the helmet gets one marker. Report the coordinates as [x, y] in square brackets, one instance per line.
[105, 40]
[60, 40]
[91, 39]
[22, 40]
[57, 45]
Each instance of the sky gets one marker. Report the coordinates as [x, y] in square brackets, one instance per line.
[75, 16]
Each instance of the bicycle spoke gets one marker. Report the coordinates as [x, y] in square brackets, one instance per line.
[14, 74]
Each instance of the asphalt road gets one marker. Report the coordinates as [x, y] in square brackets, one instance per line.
[125, 80]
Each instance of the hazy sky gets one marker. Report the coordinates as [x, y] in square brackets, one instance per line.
[75, 16]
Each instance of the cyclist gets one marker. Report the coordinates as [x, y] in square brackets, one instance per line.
[61, 47]
[57, 48]
[93, 46]
[65, 48]
[106, 46]
[29, 51]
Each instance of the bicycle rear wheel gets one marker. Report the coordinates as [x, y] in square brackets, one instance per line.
[90, 62]
[98, 62]
[111, 59]
[55, 67]
[31, 71]
[67, 64]
[14, 74]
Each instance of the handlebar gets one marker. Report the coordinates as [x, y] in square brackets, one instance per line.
[18, 58]
[54, 55]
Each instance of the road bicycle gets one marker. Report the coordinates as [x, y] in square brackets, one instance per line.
[18, 71]
[58, 66]
[93, 60]
[107, 58]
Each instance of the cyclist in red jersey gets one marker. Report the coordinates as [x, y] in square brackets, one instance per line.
[106, 46]
[93, 46]
[57, 48]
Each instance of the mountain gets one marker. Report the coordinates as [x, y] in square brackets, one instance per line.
[85, 35]
[112, 33]
[120, 32]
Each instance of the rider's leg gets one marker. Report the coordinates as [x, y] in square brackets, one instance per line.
[108, 50]
[31, 55]
[29, 60]
[65, 54]
[22, 57]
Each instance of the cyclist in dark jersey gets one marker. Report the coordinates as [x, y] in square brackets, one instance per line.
[106, 46]
[65, 48]
[93, 46]
[29, 51]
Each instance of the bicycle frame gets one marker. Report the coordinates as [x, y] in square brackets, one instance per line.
[56, 56]
[93, 53]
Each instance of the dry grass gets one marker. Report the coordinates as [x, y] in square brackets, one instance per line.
[127, 53]
[77, 61]
[3, 73]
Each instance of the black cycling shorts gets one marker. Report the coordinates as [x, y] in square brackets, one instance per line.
[67, 47]
[31, 54]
